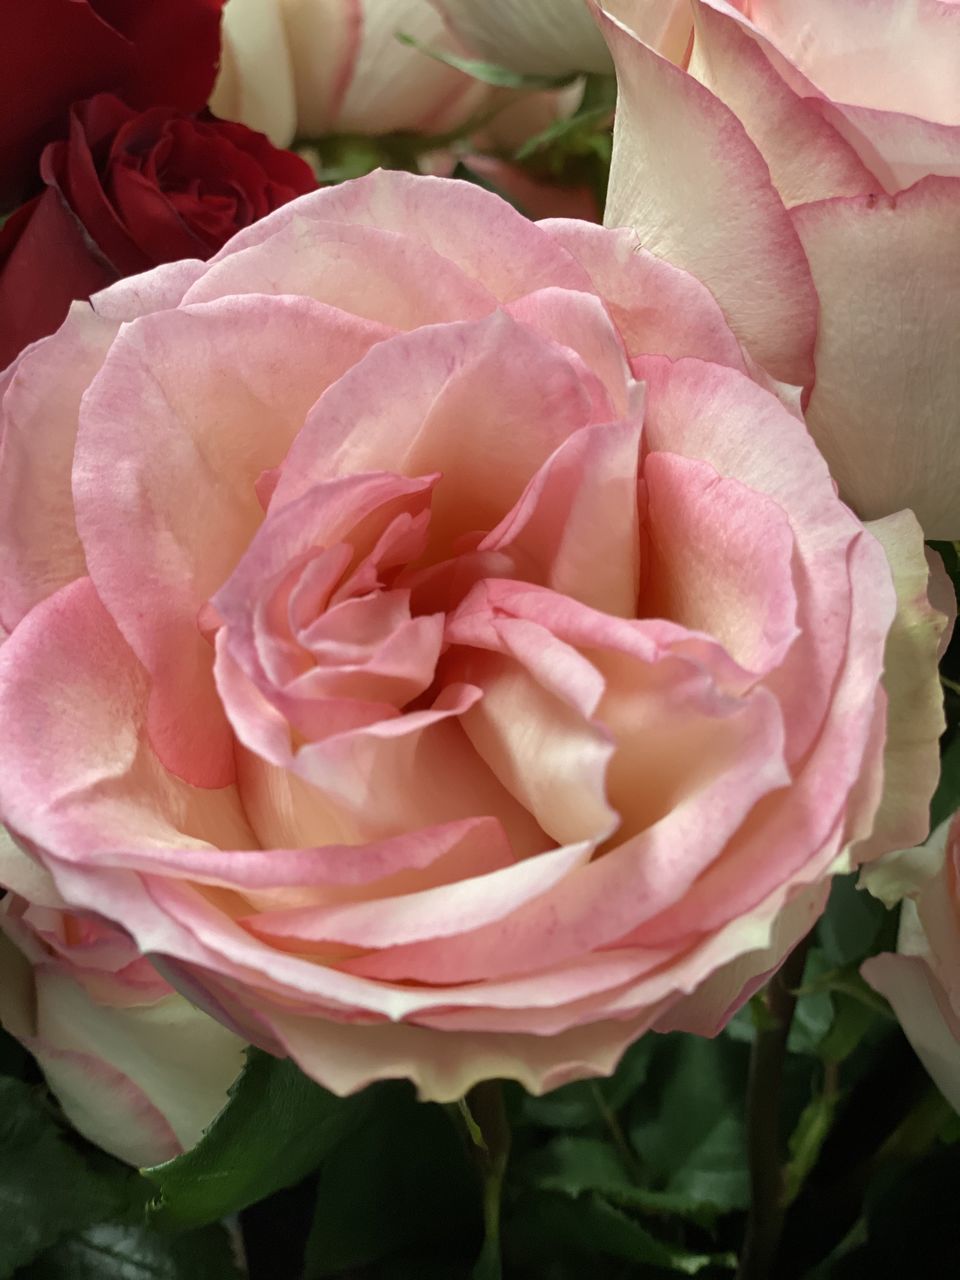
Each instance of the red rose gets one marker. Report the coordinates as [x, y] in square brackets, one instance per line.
[127, 191]
[54, 52]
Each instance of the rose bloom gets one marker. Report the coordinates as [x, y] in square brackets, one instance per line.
[137, 1069]
[438, 647]
[806, 167]
[315, 67]
[126, 191]
[56, 51]
[922, 981]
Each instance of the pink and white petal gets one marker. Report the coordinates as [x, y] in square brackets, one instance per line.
[389, 279]
[901, 55]
[886, 405]
[581, 322]
[687, 178]
[657, 308]
[444, 1067]
[808, 158]
[322, 794]
[40, 549]
[720, 560]
[156, 290]
[255, 81]
[75, 778]
[442, 911]
[576, 527]
[707, 412]
[484, 236]
[915, 720]
[899, 149]
[536, 737]
[395, 87]
[832, 801]
[538, 37]
[337, 871]
[483, 403]
[139, 1080]
[325, 516]
[324, 43]
[600, 905]
[711, 1005]
[194, 402]
[924, 1012]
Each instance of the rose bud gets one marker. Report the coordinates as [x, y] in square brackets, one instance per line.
[137, 1069]
[922, 981]
[315, 67]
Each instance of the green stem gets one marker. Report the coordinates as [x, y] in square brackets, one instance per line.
[764, 1141]
[486, 1120]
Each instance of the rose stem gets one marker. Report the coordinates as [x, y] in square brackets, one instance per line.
[486, 1120]
[765, 1219]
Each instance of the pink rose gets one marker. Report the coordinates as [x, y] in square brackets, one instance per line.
[137, 1069]
[437, 646]
[806, 166]
[922, 982]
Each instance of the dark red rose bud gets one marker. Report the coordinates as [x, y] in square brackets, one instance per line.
[54, 52]
[126, 191]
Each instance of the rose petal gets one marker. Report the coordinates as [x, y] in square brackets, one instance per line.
[687, 178]
[194, 402]
[888, 359]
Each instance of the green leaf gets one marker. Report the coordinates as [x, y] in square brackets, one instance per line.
[277, 1127]
[14, 1059]
[405, 1181]
[488, 72]
[585, 1102]
[853, 1018]
[912, 1227]
[689, 1126]
[850, 924]
[576, 1165]
[111, 1251]
[807, 1139]
[547, 1225]
[946, 799]
[47, 1189]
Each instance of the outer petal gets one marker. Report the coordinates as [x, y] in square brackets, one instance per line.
[445, 1066]
[899, 149]
[922, 982]
[687, 177]
[255, 82]
[886, 406]
[40, 550]
[808, 159]
[141, 1082]
[482, 234]
[395, 87]
[911, 761]
[657, 308]
[899, 55]
[541, 37]
[923, 1011]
